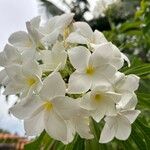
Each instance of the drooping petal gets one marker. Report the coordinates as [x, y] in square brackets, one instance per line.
[79, 57]
[34, 125]
[53, 86]
[23, 110]
[109, 130]
[123, 128]
[79, 83]
[55, 126]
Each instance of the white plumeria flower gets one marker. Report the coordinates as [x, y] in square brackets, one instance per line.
[8, 57]
[83, 34]
[119, 125]
[100, 101]
[90, 68]
[53, 58]
[29, 43]
[113, 54]
[23, 79]
[51, 110]
[54, 27]
[126, 85]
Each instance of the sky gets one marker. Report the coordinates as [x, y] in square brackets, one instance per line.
[13, 15]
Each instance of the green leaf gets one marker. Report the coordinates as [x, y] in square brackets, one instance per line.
[144, 100]
[43, 141]
[140, 70]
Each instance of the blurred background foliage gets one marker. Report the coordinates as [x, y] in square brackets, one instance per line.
[125, 23]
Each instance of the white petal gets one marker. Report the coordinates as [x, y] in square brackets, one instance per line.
[3, 76]
[99, 37]
[130, 83]
[50, 38]
[34, 33]
[53, 86]
[86, 102]
[3, 59]
[98, 114]
[131, 115]
[128, 101]
[102, 54]
[25, 108]
[115, 97]
[123, 129]
[109, 130]
[103, 74]
[13, 88]
[35, 124]
[26, 69]
[12, 54]
[66, 107]
[20, 40]
[117, 62]
[79, 57]
[55, 126]
[75, 37]
[49, 26]
[64, 20]
[35, 21]
[82, 127]
[13, 71]
[84, 29]
[78, 83]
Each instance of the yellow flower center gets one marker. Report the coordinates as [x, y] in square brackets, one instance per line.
[90, 70]
[48, 105]
[31, 81]
[98, 97]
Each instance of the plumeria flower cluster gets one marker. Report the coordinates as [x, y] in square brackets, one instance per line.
[67, 75]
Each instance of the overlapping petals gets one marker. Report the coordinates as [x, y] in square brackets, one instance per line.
[66, 76]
